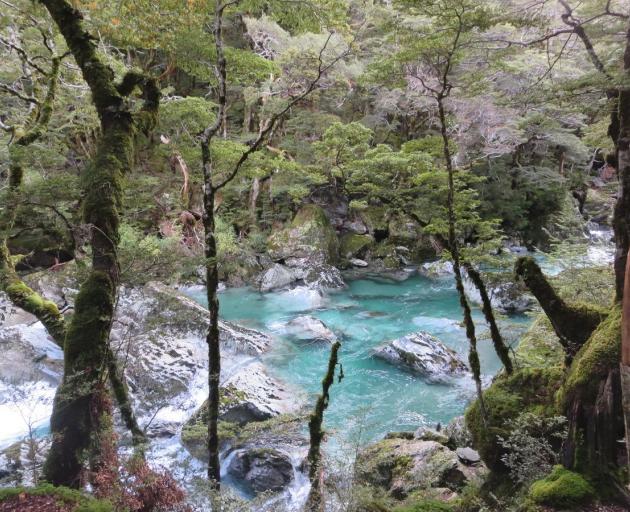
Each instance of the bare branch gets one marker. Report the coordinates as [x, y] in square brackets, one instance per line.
[14, 92]
[321, 71]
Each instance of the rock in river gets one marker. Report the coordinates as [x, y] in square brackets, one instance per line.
[423, 354]
[264, 469]
[309, 328]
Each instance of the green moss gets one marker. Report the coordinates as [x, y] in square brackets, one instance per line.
[539, 347]
[310, 214]
[562, 489]
[353, 245]
[82, 502]
[526, 390]
[594, 360]
[376, 218]
[426, 505]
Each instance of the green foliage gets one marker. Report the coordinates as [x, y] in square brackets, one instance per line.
[426, 506]
[526, 390]
[562, 489]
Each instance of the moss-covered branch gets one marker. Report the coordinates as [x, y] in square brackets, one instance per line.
[573, 323]
[497, 340]
[317, 433]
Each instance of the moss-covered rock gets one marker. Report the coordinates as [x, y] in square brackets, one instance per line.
[355, 246]
[562, 489]
[309, 237]
[403, 466]
[52, 499]
[526, 390]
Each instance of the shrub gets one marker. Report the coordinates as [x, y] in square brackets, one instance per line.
[532, 446]
[561, 489]
[526, 390]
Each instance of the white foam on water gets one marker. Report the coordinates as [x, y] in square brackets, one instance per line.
[23, 407]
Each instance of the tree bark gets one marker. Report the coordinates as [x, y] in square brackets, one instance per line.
[473, 355]
[314, 501]
[625, 357]
[497, 340]
[573, 324]
[621, 218]
[80, 404]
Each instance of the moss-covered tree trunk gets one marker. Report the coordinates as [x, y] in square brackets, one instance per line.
[497, 340]
[314, 501]
[473, 355]
[80, 405]
[212, 337]
[573, 324]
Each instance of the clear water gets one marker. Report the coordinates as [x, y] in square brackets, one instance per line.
[374, 397]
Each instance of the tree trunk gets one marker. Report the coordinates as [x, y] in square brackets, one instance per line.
[212, 337]
[497, 340]
[573, 324]
[314, 501]
[473, 355]
[81, 405]
[625, 357]
[621, 218]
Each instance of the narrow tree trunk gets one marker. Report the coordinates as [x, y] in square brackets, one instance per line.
[625, 357]
[497, 340]
[473, 355]
[314, 501]
[621, 218]
[212, 338]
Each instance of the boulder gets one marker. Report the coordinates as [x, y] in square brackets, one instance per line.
[310, 236]
[323, 277]
[317, 276]
[248, 396]
[309, 328]
[263, 469]
[437, 268]
[354, 245]
[423, 354]
[468, 456]
[276, 277]
[356, 262]
[457, 432]
[403, 466]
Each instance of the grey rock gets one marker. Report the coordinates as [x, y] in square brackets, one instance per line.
[264, 469]
[468, 456]
[276, 277]
[323, 277]
[423, 354]
[437, 268]
[309, 328]
[427, 463]
[356, 262]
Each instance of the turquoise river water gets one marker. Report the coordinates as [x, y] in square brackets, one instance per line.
[374, 397]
